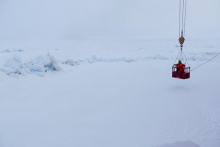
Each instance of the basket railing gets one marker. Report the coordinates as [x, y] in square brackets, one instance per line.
[186, 69]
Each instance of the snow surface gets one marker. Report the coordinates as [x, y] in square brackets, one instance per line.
[181, 144]
[108, 93]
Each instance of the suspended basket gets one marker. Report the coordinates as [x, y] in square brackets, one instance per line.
[180, 70]
[184, 75]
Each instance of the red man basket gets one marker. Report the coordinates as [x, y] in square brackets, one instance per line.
[184, 75]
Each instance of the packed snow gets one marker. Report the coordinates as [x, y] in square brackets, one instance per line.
[181, 144]
[108, 93]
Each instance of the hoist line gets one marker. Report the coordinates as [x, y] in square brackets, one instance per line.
[182, 14]
[205, 62]
[182, 26]
[179, 16]
[185, 19]
[182, 17]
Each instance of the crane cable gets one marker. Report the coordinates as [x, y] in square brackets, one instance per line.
[182, 17]
[185, 19]
[182, 25]
[182, 9]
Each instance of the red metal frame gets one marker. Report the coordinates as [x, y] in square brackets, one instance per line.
[185, 75]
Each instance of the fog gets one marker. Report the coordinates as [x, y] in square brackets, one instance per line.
[87, 19]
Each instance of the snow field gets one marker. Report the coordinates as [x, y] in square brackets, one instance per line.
[110, 103]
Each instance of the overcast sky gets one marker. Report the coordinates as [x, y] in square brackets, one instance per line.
[83, 19]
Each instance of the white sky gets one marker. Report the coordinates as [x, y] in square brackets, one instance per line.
[83, 19]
